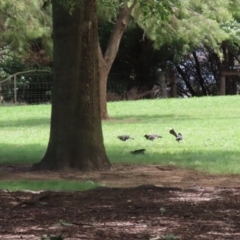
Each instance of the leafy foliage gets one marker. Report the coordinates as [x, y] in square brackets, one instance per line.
[157, 9]
[107, 10]
[24, 21]
[190, 24]
[233, 30]
[177, 28]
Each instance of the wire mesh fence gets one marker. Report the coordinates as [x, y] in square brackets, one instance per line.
[37, 89]
[32, 93]
[27, 89]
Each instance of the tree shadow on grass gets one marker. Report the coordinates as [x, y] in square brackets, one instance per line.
[21, 153]
[25, 122]
[170, 117]
[214, 161]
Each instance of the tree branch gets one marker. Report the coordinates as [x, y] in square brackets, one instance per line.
[180, 71]
[133, 5]
[101, 62]
[118, 30]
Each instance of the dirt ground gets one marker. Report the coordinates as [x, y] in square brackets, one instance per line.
[137, 202]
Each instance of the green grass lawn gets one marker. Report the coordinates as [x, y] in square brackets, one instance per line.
[210, 127]
[53, 185]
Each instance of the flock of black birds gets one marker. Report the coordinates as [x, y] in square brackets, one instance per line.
[151, 137]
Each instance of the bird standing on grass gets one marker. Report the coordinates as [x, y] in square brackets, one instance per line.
[152, 137]
[178, 136]
[124, 137]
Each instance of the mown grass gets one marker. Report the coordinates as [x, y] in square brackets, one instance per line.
[210, 126]
[54, 185]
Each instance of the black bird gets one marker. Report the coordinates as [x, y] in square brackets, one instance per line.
[138, 151]
[124, 137]
[151, 137]
[178, 136]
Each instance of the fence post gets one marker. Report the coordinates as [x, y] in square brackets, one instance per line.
[15, 88]
[1, 94]
[173, 85]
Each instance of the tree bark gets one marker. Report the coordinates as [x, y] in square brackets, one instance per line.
[76, 139]
[103, 76]
[107, 59]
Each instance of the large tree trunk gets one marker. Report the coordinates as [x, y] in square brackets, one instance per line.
[76, 139]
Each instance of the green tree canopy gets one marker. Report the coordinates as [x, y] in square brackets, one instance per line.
[23, 22]
[193, 23]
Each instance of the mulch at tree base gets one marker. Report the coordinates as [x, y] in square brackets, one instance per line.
[145, 212]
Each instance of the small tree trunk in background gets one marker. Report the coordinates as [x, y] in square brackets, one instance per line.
[143, 64]
[172, 83]
[162, 82]
[231, 83]
[234, 85]
[76, 139]
[1, 95]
